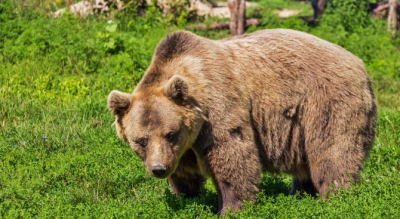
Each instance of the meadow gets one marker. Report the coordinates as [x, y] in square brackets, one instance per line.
[60, 156]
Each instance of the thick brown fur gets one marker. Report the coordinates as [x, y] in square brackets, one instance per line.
[277, 100]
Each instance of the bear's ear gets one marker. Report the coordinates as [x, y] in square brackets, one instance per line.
[176, 88]
[118, 102]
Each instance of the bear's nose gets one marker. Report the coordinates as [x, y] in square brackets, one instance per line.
[158, 170]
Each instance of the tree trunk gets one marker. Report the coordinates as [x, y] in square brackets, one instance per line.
[319, 7]
[142, 8]
[238, 16]
[393, 17]
[322, 4]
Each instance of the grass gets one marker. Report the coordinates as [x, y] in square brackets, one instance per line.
[55, 75]
[286, 4]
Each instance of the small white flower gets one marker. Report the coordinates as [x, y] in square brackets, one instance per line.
[110, 21]
[378, 145]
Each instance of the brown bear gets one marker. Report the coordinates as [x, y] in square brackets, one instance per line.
[280, 101]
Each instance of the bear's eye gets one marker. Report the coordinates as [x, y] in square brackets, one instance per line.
[171, 136]
[141, 141]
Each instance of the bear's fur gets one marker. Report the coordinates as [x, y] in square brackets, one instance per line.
[277, 100]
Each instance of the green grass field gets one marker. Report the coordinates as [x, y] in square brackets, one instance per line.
[60, 156]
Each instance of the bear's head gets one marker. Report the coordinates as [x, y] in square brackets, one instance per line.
[160, 124]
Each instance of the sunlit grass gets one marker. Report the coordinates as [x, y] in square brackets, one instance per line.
[60, 156]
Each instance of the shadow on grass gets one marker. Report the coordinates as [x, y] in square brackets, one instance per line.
[271, 186]
[274, 186]
[206, 198]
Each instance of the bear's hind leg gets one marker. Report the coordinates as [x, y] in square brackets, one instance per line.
[303, 186]
[328, 176]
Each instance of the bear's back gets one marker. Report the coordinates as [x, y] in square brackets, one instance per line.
[284, 62]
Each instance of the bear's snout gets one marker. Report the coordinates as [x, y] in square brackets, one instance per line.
[158, 170]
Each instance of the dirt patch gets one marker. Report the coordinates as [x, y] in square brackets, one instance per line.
[221, 10]
[285, 13]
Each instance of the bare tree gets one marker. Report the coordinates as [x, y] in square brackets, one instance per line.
[238, 16]
[394, 16]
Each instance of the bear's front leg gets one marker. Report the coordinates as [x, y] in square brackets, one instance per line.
[236, 169]
[187, 179]
[189, 185]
